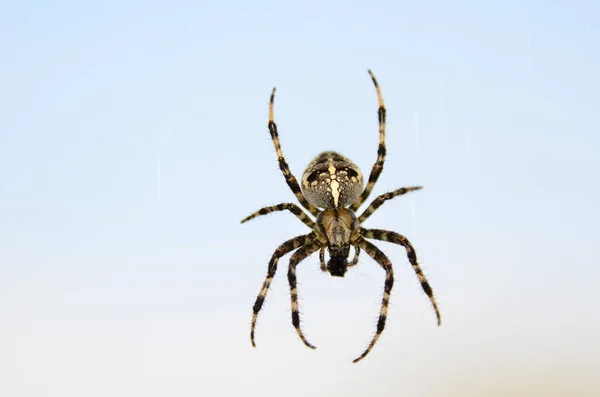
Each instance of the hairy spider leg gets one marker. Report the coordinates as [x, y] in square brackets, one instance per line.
[322, 259]
[297, 257]
[378, 166]
[385, 263]
[356, 254]
[382, 199]
[293, 208]
[283, 249]
[283, 165]
[395, 238]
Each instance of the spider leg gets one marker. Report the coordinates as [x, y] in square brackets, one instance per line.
[382, 199]
[378, 166]
[385, 263]
[298, 256]
[283, 165]
[392, 237]
[293, 208]
[283, 249]
[322, 259]
[355, 259]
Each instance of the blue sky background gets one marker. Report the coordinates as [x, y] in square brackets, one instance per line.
[133, 140]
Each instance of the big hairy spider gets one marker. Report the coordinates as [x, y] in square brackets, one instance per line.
[335, 184]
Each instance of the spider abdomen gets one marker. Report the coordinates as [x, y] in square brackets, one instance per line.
[332, 181]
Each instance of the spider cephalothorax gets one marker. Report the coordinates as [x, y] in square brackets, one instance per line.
[335, 184]
[337, 229]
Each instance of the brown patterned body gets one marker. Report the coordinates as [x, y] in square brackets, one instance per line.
[332, 181]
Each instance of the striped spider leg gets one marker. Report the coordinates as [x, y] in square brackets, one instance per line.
[283, 249]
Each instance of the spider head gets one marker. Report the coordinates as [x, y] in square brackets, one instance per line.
[338, 260]
[332, 181]
[337, 226]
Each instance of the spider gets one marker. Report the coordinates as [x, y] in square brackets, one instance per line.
[332, 191]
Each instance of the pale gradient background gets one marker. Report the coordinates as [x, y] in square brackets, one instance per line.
[133, 139]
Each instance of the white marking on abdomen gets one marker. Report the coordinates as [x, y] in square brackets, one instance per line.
[335, 191]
